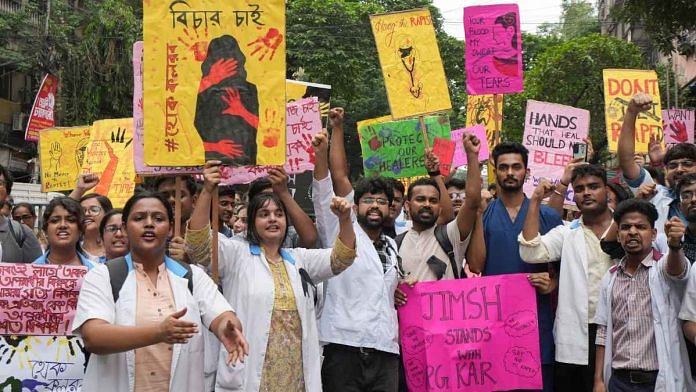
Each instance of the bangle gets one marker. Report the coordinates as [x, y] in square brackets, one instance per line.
[434, 173]
[558, 193]
[561, 182]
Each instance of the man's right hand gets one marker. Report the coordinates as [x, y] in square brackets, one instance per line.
[336, 118]
[640, 102]
[320, 143]
[543, 190]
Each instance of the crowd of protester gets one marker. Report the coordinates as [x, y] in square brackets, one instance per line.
[310, 303]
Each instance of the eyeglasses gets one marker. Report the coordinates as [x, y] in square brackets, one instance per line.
[93, 210]
[686, 163]
[113, 229]
[23, 218]
[457, 195]
[370, 200]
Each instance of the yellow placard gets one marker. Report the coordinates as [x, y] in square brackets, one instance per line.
[482, 109]
[61, 153]
[620, 85]
[214, 82]
[411, 64]
[110, 156]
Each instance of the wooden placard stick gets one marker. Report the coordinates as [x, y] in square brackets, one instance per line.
[177, 206]
[215, 223]
[421, 120]
[496, 120]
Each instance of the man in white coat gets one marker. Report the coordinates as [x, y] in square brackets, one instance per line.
[640, 345]
[358, 325]
[583, 264]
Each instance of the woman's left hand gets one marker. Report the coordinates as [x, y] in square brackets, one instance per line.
[340, 207]
[235, 343]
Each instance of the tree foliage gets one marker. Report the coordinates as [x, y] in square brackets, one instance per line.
[670, 24]
[578, 18]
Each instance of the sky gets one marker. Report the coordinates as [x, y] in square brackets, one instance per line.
[532, 13]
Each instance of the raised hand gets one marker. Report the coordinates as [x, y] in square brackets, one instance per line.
[86, 182]
[432, 162]
[646, 191]
[568, 171]
[543, 190]
[340, 207]
[320, 143]
[211, 175]
[177, 249]
[336, 118]
[175, 331]
[655, 150]
[471, 143]
[640, 102]
[279, 180]
[674, 230]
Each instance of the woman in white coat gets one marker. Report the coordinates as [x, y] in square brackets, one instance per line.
[148, 337]
[272, 290]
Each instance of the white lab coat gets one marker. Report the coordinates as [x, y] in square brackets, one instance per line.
[566, 243]
[359, 304]
[247, 282]
[662, 199]
[666, 292]
[116, 372]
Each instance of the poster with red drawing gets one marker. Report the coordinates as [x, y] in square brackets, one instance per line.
[214, 82]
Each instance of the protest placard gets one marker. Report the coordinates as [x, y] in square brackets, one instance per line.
[214, 82]
[411, 64]
[620, 85]
[479, 131]
[41, 116]
[493, 49]
[38, 299]
[139, 129]
[396, 148]
[303, 122]
[471, 335]
[295, 90]
[42, 363]
[550, 131]
[110, 156]
[482, 109]
[678, 126]
[444, 151]
[61, 154]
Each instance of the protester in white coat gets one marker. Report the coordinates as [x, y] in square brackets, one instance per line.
[639, 339]
[144, 342]
[271, 289]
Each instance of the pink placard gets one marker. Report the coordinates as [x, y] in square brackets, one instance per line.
[459, 153]
[493, 49]
[471, 335]
[678, 126]
[550, 131]
[38, 299]
[138, 125]
[303, 121]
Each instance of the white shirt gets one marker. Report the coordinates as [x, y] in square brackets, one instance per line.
[666, 292]
[359, 304]
[116, 372]
[662, 199]
[570, 330]
[247, 282]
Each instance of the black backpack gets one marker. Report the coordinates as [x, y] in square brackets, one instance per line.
[17, 232]
[443, 241]
[118, 271]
